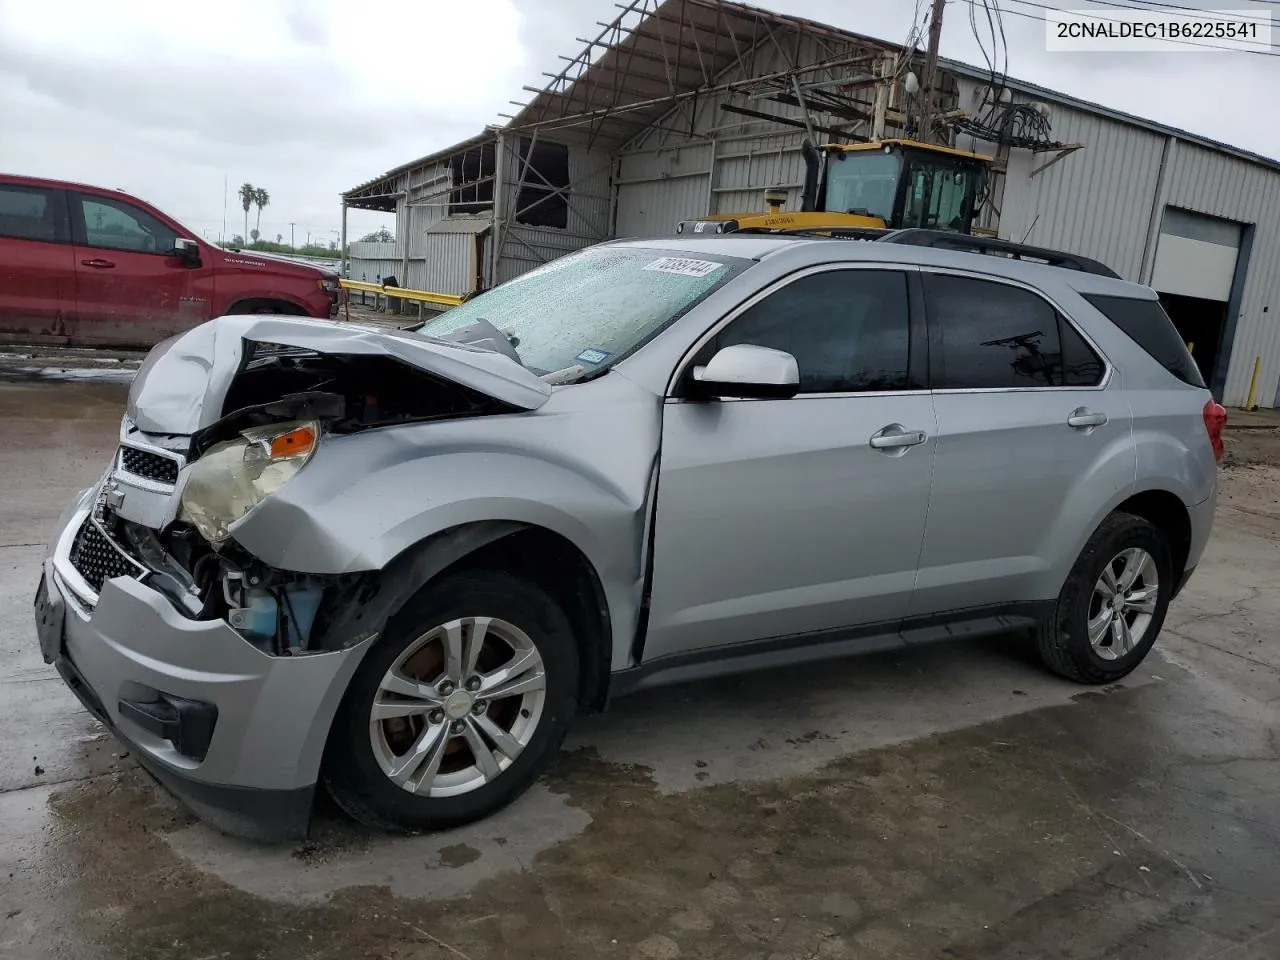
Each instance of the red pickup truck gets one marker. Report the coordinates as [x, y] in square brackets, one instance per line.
[89, 266]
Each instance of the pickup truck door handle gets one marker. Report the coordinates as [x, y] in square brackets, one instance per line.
[895, 436]
[97, 263]
[1082, 418]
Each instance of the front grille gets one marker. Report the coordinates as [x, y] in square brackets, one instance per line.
[153, 466]
[97, 559]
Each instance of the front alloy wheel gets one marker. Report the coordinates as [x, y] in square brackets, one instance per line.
[458, 708]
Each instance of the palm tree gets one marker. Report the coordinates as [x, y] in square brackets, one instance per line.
[260, 198]
[247, 194]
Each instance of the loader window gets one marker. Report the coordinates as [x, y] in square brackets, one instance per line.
[939, 197]
[863, 182]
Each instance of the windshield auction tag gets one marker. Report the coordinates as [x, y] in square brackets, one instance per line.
[684, 266]
[593, 355]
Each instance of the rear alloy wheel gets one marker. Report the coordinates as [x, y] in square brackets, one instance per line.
[458, 709]
[1112, 605]
[1123, 601]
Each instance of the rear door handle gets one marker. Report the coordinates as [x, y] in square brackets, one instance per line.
[895, 436]
[1082, 418]
[97, 263]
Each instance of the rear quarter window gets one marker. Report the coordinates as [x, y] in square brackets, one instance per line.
[1147, 325]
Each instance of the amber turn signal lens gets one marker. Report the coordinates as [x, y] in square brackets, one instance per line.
[295, 443]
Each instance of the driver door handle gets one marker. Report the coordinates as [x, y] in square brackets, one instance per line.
[1083, 417]
[97, 263]
[894, 436]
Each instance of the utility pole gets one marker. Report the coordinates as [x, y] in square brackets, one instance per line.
[291, 226]
[925, 132]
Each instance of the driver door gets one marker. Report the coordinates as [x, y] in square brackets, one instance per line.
[130, 288]
[778, 518]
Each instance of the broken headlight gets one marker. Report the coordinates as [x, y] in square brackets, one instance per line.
[235, 476]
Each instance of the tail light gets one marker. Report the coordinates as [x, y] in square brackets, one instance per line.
[1215, 421]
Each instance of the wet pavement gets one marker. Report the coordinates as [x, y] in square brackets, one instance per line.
[952, 802]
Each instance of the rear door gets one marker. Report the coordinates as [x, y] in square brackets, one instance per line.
[786, 518]
[1033, 433]
[130, 288]
[37, 264]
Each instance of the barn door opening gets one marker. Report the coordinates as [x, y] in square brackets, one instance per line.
[1199, 272]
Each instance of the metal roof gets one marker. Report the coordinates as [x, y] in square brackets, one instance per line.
[379, 192]
[659, 53]
[660, 50]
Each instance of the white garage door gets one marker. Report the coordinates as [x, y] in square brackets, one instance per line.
[1196, 255]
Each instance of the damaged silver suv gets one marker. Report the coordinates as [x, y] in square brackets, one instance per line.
[398, 562]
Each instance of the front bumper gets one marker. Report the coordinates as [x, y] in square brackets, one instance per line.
[258, 774]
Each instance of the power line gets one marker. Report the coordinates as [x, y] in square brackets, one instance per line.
[1104, 19]
[1160, 6]
[1149, 6]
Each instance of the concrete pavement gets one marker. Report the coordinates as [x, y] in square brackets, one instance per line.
[953, 801]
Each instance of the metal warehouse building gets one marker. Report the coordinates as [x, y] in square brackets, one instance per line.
[685, 108]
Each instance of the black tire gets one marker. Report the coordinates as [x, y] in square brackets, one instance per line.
[350, 770]
[272, 307]
[1064, 640]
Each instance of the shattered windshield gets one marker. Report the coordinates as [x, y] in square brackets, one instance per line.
[577, 315]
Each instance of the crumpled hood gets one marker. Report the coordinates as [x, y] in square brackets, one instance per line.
[182, 385]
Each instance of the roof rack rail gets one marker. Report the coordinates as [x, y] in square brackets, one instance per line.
[919, 237]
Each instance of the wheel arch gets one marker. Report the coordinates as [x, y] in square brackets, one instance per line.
[543, 556]
[1168, 514]
[255, 305]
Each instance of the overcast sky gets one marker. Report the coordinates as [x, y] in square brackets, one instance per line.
[307, 98]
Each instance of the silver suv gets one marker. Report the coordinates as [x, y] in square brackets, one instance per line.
[398, 562]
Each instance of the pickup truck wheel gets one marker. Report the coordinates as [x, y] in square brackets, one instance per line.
[276, 307]
[457, 710]
[1112, 605]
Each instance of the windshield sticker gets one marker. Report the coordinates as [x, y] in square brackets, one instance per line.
[684, 266]
[592, 355]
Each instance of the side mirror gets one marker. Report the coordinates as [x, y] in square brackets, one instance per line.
[747, 372]
[188, 251]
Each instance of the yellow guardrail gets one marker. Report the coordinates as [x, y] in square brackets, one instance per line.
[402, 293]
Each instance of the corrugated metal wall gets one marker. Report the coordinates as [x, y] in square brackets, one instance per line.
[424, 204]
[1096, 201]
[371, 260]
[1100, 202]
[664, 179]
[524, 247]
[1213, 183]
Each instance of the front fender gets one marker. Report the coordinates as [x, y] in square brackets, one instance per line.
[581, 467]
[330, 526]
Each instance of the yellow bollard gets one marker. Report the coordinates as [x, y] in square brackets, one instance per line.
[1253, 384]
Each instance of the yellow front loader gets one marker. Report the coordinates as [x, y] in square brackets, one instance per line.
[867, 187]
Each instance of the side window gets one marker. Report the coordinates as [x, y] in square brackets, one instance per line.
[31, 213]
[848, 330]
[1081, 367]
[117, 225]
[994, 335]
[1146, 323]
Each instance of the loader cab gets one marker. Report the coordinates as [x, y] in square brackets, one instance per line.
[897, 182]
